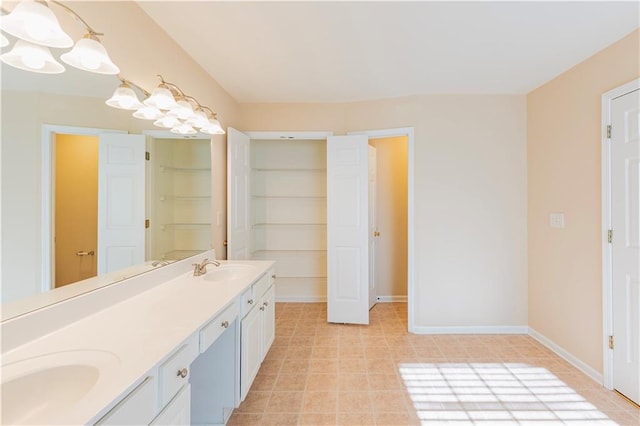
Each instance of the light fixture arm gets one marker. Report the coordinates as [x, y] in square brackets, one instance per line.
[182, 95]
[131, 83]
[78, 18]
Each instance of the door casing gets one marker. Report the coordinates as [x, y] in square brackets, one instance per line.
[607, 285]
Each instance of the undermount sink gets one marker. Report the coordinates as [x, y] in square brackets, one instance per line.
[38, 389]
[228, 272]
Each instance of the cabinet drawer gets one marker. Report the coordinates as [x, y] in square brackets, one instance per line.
[261, 285]
[217, 326]
[247, 301]
[171, 372]
[137, 408]
[178, 411]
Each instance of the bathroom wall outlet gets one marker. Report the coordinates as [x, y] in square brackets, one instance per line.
[556, 220]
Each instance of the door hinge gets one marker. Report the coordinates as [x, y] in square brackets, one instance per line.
[610, 236]
[610, 342]
[146, 223]
[609, 131]
[147, 155]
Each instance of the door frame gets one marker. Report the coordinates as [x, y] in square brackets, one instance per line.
[47, 178]
[607, 270]
[409, 133]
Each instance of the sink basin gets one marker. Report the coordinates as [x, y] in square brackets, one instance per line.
[228, 272]
[38, 389]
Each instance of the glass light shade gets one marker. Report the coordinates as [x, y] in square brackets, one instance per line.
[32, 57]
[34, 22]
[213, 128]
[90, 55]
[148, 113]
[3, 41]
[161, 98]
[124, 98]
[184, 129]
[199, 119]
[183, 110]
[167, 122]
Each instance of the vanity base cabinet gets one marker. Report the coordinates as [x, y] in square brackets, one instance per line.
[251, 343]
[257, 331]
[178, 411]
[213, 380]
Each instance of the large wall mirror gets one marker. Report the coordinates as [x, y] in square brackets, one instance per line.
[53, 128]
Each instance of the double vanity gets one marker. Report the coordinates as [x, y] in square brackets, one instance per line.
[165, 347]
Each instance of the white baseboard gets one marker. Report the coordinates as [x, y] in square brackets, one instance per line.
[301, 299]
[566, 355]
[387, 299]
[482, 329]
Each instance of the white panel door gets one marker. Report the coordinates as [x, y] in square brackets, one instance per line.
[625, 218]
[238, 195]
[373, 226]
[121, 201]
[347, 229]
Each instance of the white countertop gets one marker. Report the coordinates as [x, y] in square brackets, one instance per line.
[140, 331]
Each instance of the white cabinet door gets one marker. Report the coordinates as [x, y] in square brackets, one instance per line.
[251, 350]
[625, 214]
[268, 320]
[238, 195]
[178, 411]
[121, 201]
[347, 229]
[373, 225]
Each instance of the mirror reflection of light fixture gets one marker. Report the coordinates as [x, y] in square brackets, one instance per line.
[184, 129]
[124, 98]
[32, 57]
[3, 41]
[34, 22]
[161, 107]
[148, 113]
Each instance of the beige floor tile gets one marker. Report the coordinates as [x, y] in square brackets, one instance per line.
[318, 373]
[318, 419]
[285, 402]
[322, 382]
[353, 382]
[355, 402]
[291, 382]
[320, 402]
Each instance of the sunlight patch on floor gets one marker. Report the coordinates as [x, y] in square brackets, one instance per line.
[495, 393]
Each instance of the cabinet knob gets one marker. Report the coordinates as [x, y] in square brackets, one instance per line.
[250, 301]
[183, 373]
[266, 303]
[225, 324]
[262, 308]
[273, 276]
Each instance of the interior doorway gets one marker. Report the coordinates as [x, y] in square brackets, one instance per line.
[75, 208]
[392, 218]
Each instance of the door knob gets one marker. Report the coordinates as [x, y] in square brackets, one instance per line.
[85, 253]
[376, 234]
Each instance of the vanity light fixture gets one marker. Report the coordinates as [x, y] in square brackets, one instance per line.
[32, 57]
[148, 113]
[33, 22]
[184, 129]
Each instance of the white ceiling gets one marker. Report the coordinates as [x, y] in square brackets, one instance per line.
[350, 51]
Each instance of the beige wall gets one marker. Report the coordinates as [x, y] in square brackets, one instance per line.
[391, 210]
[564, 172]
[469, 194]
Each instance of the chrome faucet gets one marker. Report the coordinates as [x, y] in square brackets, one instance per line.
[201, 268]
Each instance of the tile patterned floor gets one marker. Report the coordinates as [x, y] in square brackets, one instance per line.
[328, 374]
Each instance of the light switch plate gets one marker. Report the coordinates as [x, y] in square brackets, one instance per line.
[556, 220]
